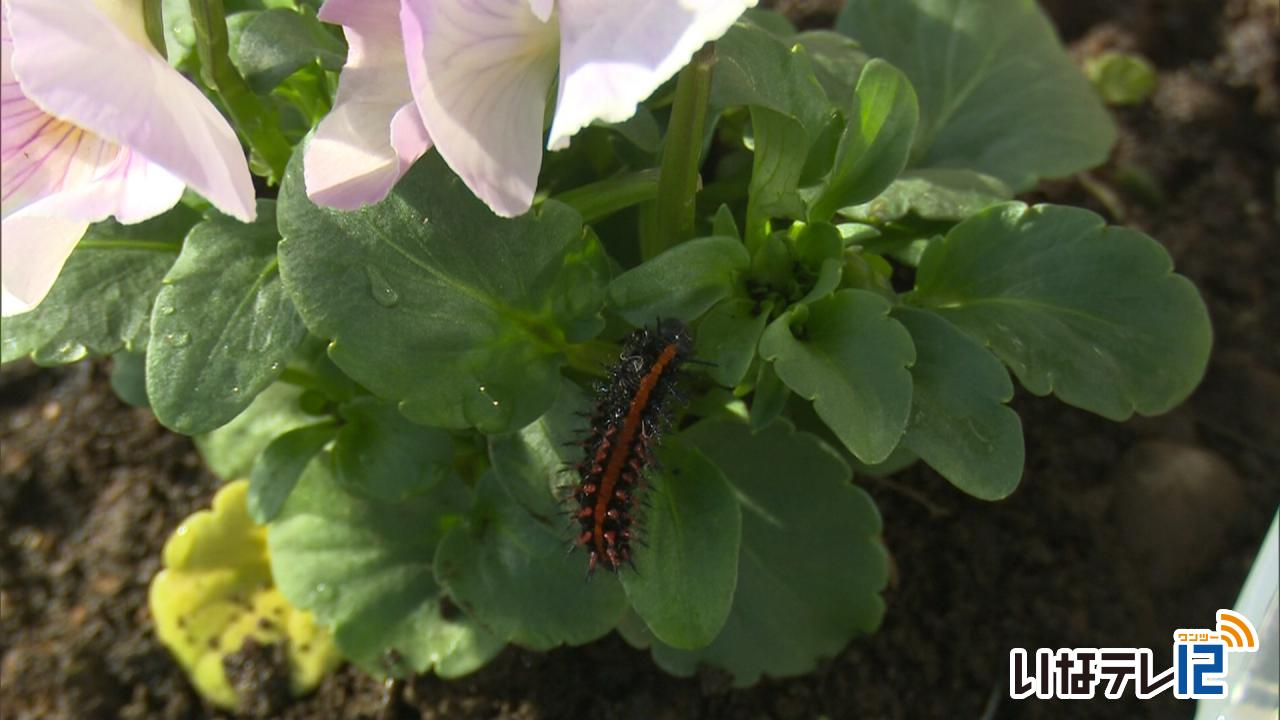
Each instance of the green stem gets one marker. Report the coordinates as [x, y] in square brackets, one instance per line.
[150, 245]
[253, 118]
[672, 218]
[153, 23]
[599, 200]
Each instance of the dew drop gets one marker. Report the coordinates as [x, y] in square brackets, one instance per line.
[383, 293]
[235, 389]
[166, 309]
[275, 366]
[178, 339]
[487, 409]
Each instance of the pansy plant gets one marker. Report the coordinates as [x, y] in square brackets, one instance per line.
[461, 217]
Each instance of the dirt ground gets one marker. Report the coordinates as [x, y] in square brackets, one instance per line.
[1118, 534]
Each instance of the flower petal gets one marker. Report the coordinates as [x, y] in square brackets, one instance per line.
[542, 8]
[76, 65]
[615, 53]
[39, 154]
[55, 179]
[32, 252]
[36, 240]
[480, 72]
[374, 133]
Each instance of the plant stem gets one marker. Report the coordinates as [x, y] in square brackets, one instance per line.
[672, 218]
[252, 117]
[599, 200]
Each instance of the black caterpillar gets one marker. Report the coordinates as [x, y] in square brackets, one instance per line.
[632, 410]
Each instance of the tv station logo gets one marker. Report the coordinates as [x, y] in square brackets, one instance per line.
[1200, 657]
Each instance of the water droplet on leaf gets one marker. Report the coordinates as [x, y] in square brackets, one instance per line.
[383, 293]
[178, 339]
[487, 408]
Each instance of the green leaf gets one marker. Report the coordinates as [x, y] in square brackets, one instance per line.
[998, 94]
[932, 194]
[815, 243]
[224, 326]
[380, 454]
[533, 462]
[811, 566]
[1122, 78]
[640, 130]
[1091, 313]
[757, 69]
[277, 470]
[364, 567]
[723, 223]
[849, 357]
[772, 267]
[433, 301]
[231, 450]
[684, 580]
[634, 631]
[129, 378]
[179, 34]
[508, 569]
[837, 63]
[101, 302]
[769, 399]
[780, 149]
[819, 248]
[789, 111]
[770, 21]
[727, 336]
[278, 42]
[960, 424]
[876, 141]
[900, 459]
[826, 282]
[682, 282]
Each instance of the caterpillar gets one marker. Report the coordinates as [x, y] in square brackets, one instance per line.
[632, 409]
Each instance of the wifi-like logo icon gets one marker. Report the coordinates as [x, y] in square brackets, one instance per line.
[1236, 631]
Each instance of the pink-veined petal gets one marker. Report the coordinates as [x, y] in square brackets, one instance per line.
[75, 64]
[55, 179]
[615, 53]
[480, 72]
[32, 252]
[36, 239]
[39, 154]
[373, 134]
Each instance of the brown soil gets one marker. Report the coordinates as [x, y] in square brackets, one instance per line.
[1119, 533]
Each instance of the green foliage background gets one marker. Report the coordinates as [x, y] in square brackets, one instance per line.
[401, 383]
